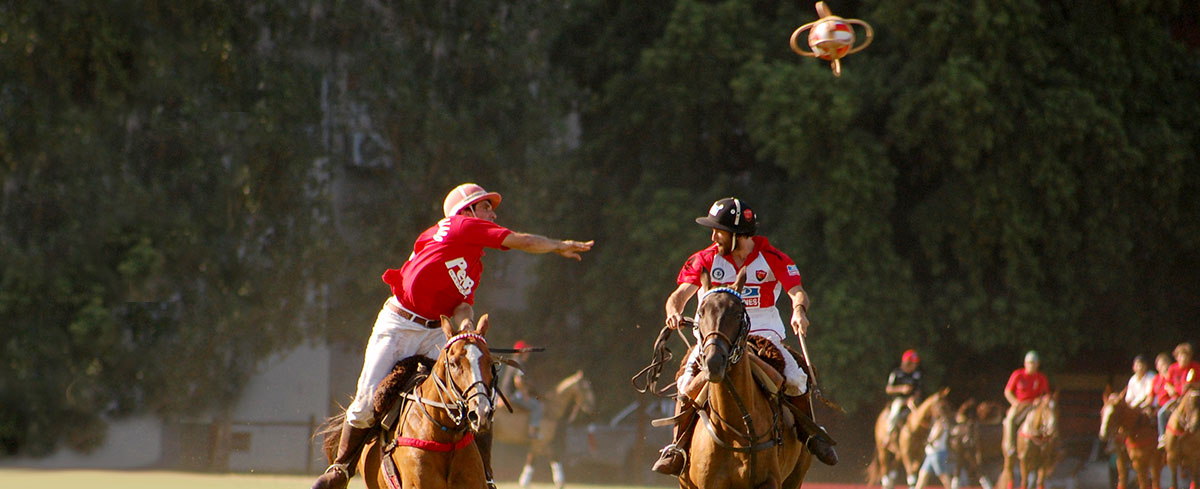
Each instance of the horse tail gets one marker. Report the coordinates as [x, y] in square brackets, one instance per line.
[331, 433]
[874, 472]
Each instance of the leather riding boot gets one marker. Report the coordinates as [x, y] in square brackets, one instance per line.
[813, 435]
[484, 444]
[337, 476]
[671, 459]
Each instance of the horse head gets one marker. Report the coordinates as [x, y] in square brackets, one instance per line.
[723, 325]
[1042, 421]
[936, 405]
[1112, 411]
[577, 389]
[466, 367]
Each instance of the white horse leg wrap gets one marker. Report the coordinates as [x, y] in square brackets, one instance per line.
[526, 476]
[557, 472]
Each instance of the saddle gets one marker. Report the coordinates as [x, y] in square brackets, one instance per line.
[406, 375]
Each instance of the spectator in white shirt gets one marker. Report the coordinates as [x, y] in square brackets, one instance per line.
[1140, 391]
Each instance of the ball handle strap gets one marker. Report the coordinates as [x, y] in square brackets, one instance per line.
[870, 35]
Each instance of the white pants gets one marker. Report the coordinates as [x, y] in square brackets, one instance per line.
[795, 381]
[392, 339]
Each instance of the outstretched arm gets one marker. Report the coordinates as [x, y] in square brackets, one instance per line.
[532, 243]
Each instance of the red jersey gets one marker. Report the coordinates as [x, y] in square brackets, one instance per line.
[768, 272]
[445, 265]
[1026, 386]
[1177, 376]
[1159, 390]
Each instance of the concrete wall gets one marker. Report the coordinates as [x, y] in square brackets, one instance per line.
[272, 422]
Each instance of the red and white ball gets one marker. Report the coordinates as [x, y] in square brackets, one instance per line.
[831, 39]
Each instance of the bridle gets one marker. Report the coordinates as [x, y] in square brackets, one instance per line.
[1045, 428]
[737, 344]
[450, 397]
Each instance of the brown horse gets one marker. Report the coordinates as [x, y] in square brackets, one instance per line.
[907, 448]
[1182, 437]
[746, 439]
[967, 441]
[1136, 440]
[572, 395]
[430, 446]
[1037, 441]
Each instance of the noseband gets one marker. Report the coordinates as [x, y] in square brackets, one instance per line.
[738, 342]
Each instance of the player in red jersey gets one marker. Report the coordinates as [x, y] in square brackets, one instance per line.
[1179, 375]
[1023, 387]
[439, 279]
[769, 272]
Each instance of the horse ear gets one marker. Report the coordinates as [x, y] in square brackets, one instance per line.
[481, 330]
[945, 391]
[741, 280]
[705, 281]
[1107, 391]
[447, 326]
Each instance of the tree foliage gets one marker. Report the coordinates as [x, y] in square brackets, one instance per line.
[186, 188]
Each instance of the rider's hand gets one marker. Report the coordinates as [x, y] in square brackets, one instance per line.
[675, 321]
[800, 322]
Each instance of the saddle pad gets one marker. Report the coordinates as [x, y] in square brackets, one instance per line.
[402, 379]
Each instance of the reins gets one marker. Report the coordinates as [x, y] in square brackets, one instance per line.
[450, 399]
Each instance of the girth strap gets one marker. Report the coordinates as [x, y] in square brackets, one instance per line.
[771, 442]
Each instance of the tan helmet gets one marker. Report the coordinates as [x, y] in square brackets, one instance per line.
[466, 195]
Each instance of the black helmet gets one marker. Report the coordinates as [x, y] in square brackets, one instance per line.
[731, 214]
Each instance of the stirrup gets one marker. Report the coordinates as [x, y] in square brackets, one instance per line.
[339, 468]
[672, 448]
[491, 484]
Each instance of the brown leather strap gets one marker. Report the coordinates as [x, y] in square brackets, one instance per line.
[400, 311]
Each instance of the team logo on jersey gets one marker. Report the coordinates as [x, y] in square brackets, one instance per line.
[458, 273]
[718, 273]
[751, 296]
[793, 271]
[760, 275]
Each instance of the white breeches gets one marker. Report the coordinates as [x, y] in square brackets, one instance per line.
[795, 381]
[393, 338]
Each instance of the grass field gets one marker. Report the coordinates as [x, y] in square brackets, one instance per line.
[112, 479]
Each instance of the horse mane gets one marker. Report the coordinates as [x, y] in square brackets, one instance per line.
[399, 381]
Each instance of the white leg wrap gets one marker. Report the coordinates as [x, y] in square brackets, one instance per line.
[557, 472]
[526, 476]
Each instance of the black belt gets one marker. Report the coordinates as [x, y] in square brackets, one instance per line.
[428, 323]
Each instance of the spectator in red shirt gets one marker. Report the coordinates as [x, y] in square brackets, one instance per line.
[1024, 386]
[1179, 375]
[439, 279]
[1161, 363]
